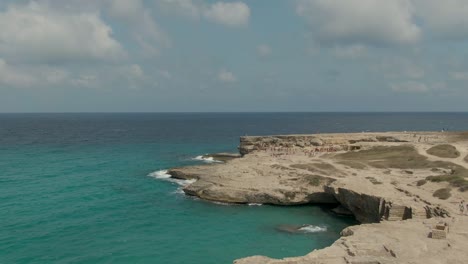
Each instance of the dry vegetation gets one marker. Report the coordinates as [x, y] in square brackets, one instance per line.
[443, 193]
[407, 157]
[444, 151]
[320, 168]
[421, 182]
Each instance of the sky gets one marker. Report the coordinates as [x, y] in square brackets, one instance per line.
[233, 56]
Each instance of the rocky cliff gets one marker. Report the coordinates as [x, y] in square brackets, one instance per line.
[378, 177]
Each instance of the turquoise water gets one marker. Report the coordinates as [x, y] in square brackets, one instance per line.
[75, 189]
[97, 205]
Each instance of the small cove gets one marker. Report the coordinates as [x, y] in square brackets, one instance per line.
[74, 187]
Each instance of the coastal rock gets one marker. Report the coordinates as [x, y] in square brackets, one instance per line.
[366, 174]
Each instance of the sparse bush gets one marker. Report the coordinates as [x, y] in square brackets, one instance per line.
[421, 182]
[442, 194]
[444, 151]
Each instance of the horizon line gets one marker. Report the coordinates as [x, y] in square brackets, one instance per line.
[235, 112]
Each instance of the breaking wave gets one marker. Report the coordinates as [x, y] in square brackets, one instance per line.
[163, 175]
[206, 159]
[313, 229]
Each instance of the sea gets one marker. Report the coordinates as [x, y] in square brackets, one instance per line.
[92, 187]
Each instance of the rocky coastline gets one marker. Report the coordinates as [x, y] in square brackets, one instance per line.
[399, 185]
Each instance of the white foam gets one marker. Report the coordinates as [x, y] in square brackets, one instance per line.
[221, 203]
[254, 204]
[179, 191]
[161, 174]
[313, 229]
[206, 159]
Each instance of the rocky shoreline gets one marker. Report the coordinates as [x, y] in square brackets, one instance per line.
[398, 184]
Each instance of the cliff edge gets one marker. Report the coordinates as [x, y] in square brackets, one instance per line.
[381, 178]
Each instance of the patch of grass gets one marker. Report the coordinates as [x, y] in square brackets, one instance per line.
[454, 180]
[444, 151]
[317, 180]
[406, 157]
[400, 157]
[421, 182]
[320, 168]
[442, 194]
[313, 180]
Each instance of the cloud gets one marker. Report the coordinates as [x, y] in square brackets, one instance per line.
[351, 51]
[182, 7]
[41, 33]
[27, 76]
[398, 68]
[263, 50]
[10, 76]
[235, 14]
[226, 76]
[368, 22]
[144, 29]
[410, 87]
[165, 74]
[232, 14]
[446, 19]
[459, 76]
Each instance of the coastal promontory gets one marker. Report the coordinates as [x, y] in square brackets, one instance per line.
[404, 187]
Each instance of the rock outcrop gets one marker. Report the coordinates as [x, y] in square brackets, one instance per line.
[381, 178]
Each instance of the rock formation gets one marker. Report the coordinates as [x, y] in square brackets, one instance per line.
[381, 178]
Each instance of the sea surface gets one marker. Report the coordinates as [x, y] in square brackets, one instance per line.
[90, 188]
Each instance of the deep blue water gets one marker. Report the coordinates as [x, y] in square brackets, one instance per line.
[74, 187]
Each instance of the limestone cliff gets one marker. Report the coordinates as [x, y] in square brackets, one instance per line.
[378, 177]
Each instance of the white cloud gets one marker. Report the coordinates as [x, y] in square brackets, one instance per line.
[226, 76]
[398, 67]
[145, 31]
[409, 87]
[370, 22]
[136, 71]
[459, 76]
[446, 19]
[10, 76]
[230, 13]
[165, 74]
[233, 14]
[85, 80]
[38, 32]
[31, 75]
[263, 50]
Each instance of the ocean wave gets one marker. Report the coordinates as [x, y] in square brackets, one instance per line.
[163, 175]
[206, 159]
[254, 204]
[221, 203]
[313, 229]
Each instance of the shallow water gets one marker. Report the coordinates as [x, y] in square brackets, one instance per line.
[74, 188]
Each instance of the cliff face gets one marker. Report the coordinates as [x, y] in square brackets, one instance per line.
[378, 177]
[249, 144]
[366, 208]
